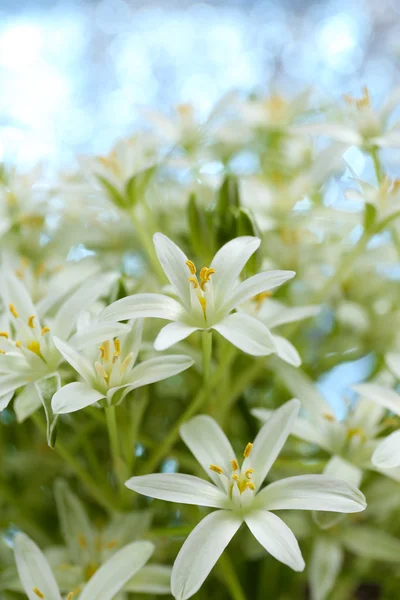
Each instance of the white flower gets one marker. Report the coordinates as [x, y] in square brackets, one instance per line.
[113, 374]
[39, 582]
[385, 199]
[236, 492]
[27, 349]
[274, 112]
[360, 124]
[273, 314]
[205, 302]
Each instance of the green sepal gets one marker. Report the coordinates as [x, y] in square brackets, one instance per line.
[370, 214]
[46, 388]
[136, 186]
[113, 194]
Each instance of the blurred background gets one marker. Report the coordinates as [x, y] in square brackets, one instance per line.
[73, 73]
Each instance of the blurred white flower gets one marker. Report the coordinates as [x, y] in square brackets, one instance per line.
[236, 491]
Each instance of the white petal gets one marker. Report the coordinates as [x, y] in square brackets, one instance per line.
[5, 400]
[344, 470]
[387, 454]
[371, 543]
[156, 369]
[12, 364]
[302, 387]
[276, 537]
[325, 564]
[73, 397]
[286, 351]
[15, 292]
[271, 438]
[229, 262]
[333, 130]
[9, 383]
[201, 551]
[393, 362]
[116, 571]
[246, 333]
[34, 570]
[255, 285]
[172, 334]
[177, 487]
[311, 492]
[97, 333]
[389, 140]
[208, 444]
[151, 579]
[173, 261]
[143, 305]
[384, 396]
[288, 314]
[132, 341]
[27, 402]
[95, 287]
[77, 361]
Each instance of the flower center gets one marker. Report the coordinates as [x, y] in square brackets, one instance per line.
[110, 357]
[200, 287]
[33, 341]
[260, 298]
[239, 477]
[359, 103]
[40, 594]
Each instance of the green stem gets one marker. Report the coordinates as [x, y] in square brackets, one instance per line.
[99, 494]
[230, 577]
[111, 420]
[377, 164]
[226, 401]
[207, 353]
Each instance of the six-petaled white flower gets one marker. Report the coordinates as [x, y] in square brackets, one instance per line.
[205, 300]
[236, 491]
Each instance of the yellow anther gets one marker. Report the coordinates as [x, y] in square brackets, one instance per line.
[82, 541]
[70, 596]
[2, 351]
[18, 344]
[45, 330]
[102, 351]
[107, 351]
[30, 321]
[216, 469]
[191, 267]
[37, 592]
[203, 273]
[90, 570]
[328, 417]
[363, 102]
[355, 431]
[194, 281]
[13, 310]
[111, 544]
[117, 347]
[247, 450]
[250, 486]
[259, 298]
[101, 370]
[235, 465]
[235, 477]
[248, 473]
[4, 334]
[34, 346]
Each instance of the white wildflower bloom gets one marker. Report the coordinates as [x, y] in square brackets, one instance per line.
[387, 454]
[113, 374]
[236, 491]
[27, 349]
[39, 582]
[351, 441]
[360, 124]
[205, 302]
[274, 112]
[385, 199]
[274, 314]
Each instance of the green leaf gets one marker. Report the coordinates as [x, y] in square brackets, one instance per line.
[46, 388]
[113, 194]
[75, 526]
[245, 225]
[136, 186]
[201, 232]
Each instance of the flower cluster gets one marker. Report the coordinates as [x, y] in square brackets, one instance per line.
[274, 261]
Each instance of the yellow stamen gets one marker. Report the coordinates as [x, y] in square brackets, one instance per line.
[235, 465]
[191, 267]
[203, 303]
[363, 102]
[247, 450]
[4, 334]
[30, 321]
[117, 346]
[355, 431]
[70, 595]
[111, 544]
[194, 281]
[13, 311]
[259, 299]
[126, 362]
[18, 344]
[235, 477]
[101, 370]
[82, 541]
[34, 346]
[90, 570]
[37, 592]
[102, 351]
[205, 275]
[107, 353]
[248, 473]
[2, 351]
[250, 485]
[45, 330]
[216, 469]
[328, 417]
